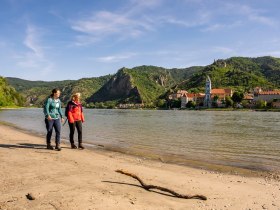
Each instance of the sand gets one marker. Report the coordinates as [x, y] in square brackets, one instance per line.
[86, 179]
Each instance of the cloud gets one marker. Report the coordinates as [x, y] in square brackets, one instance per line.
[31, 41]
[231, 15]
[255, 15]
[105, 23]
[128, 21]
[34, 58]
[198, 21]
[115, 58]
[218, 26]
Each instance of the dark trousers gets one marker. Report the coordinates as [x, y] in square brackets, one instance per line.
[78, 125]
[50, 124]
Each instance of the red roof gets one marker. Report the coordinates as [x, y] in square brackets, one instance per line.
[221, 91]
[218, 91]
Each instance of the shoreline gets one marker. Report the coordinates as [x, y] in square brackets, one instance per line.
[173, 109]
[169, 159]
[86, 179]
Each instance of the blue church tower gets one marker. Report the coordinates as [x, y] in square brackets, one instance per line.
[207, 99]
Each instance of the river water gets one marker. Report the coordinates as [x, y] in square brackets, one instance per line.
[241, 139]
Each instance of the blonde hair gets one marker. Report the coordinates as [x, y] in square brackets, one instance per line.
[76, 95]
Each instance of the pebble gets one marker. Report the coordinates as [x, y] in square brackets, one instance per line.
[29, 196]
[264, 207]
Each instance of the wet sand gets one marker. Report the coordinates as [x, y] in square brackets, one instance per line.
[86, 179]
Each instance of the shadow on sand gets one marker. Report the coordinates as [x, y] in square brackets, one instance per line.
[135, 185]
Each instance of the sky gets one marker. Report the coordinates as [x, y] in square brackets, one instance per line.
[66, 39]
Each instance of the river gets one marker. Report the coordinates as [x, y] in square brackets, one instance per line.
[241, 139]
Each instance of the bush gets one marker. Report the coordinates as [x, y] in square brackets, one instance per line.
[191, 104]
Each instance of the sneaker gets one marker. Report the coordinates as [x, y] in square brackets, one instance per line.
[73, 146]
[49, 146]
[57, 147]
[81, 146]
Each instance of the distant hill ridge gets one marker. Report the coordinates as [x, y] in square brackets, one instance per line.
[146, 84]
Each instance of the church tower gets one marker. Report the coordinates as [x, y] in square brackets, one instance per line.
[207, 99]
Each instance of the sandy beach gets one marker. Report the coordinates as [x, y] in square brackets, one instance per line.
[86, 179]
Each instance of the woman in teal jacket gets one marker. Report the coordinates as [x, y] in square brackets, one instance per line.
[53, 118]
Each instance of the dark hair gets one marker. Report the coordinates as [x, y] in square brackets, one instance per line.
[54, 91]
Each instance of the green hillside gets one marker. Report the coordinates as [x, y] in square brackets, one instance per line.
[35, 92]
[8, 95]
[239, 72]
[141, 84]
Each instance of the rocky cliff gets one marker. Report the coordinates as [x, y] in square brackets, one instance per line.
[119, 88]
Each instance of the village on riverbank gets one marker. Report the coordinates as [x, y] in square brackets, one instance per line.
[226, 97]
[218, 98]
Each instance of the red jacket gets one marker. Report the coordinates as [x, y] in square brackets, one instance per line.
[75, 112]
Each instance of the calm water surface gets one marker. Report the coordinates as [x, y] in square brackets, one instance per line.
[241, 139]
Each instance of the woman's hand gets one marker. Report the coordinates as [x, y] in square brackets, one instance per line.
[62, 120]
[49, 117]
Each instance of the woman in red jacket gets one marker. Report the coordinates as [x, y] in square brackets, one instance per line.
[75, 117]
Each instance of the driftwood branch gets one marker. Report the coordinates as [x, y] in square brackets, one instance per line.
[149, 187]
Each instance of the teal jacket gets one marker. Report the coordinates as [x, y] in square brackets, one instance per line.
[52, 108]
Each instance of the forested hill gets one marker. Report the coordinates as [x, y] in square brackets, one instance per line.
[35, 92]
[147, 84]
[8, 95]
[141, 84]
[239, 72]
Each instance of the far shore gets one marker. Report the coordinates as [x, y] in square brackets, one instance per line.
[86, 179]
[186, 109]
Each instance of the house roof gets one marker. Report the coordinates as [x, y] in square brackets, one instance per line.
[221, 91]
[273, 92]
[249, 97]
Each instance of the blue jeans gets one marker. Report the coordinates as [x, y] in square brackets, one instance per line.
[50, 124]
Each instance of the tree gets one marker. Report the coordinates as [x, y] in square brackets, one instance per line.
[229, 101]
[161, 103]
[237, 97]
[100, 105]
[110, 104]
[261, 104]
[191, 104]
[215, 101]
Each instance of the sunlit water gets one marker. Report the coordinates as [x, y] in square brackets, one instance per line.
[242, 139]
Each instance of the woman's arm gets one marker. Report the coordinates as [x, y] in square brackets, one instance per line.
[47, 108]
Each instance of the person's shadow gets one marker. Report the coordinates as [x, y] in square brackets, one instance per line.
[23, 145]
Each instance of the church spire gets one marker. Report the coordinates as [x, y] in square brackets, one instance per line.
[207, 99]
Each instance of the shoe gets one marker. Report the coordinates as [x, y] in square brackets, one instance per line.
[73, 146]
[57, 147]
[81, 146]
[49, 146]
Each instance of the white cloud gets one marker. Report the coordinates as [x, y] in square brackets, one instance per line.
[106, 23]
[250, 13]
[34, 59]
[115, 58]
[185, 23]
[218, 26]
[231, 15]
[31, 41]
